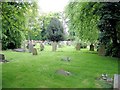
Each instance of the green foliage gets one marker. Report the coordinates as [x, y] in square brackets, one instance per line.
[109, 27]
[55, 30]
[44, 22]
[14, 22]
[82, 22]
[85, 18]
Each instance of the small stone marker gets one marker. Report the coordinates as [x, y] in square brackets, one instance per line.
[106, 78]
[91, 47]
[35, 51]
[2, 58]
[54, 46]
[63, 72]
[19, 50]
[41, 47]
[0, 44]
[101, 50]
[116, 81]
[77, 46]
[66, 59]
[30, 45]
[24, 46]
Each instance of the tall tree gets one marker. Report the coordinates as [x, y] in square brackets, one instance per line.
[55, 31]
[109, 27]
[82, 23]
[14, 15]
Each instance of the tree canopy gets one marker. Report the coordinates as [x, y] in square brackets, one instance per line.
[14, 22]
[82, 23]
[96, 20]
[55, 30]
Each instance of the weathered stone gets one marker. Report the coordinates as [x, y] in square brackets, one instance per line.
[110, 80]
[30, 47]
[0, 45]
[116, 81]
[54, 46]
[19, 50]
[63, 72]
[35, 51]
[2, 58]
[41, 47]
[77, 46]
[24, 46]
[66, 59]
[101, 50]
[91, 47]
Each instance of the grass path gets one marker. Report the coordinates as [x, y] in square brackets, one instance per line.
[28, 71]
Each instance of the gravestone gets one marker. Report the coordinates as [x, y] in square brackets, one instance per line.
[30, 45]
[59, 45]
[0, 45]
[24, 46]
[101, 50]
[66, 59]
[77, 46]
[19, 50]
[116, 84]
[91, 47]
[2, 58]
[41, 46]
[54, 46]
[34, 51]
[63, 72]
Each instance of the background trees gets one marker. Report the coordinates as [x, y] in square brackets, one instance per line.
[14, 19]
[92, 20]
[55, 32]
[82, 23]
[109, 27]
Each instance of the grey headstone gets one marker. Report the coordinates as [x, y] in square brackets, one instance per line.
[66, 59]
[30, 47]
[2, 58]
[19, 50]
[116, 81]
[63, 72]
[77, 46]
[41, 47]
[54, 46]
[101, 50]
[35, 51]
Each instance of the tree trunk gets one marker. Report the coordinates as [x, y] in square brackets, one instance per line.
[54, 46]
[114, 39]
[91, 47]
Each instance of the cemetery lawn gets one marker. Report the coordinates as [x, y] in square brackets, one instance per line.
[27, 71]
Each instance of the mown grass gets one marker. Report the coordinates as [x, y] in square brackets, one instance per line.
[28, 71]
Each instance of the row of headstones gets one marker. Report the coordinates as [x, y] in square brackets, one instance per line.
[101, 49]
[34, 50]
[78, 47]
